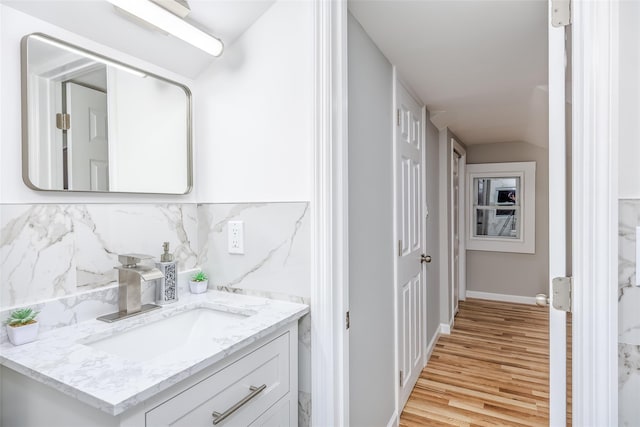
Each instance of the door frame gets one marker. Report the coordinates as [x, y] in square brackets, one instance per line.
[329, 218]
[595, 212]
[595, 215]
[462, 236]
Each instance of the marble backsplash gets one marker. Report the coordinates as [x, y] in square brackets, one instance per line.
[277, 244]
[628, 315]
[51, 251]
[54, 251]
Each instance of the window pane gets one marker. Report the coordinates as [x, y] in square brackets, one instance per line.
[492, 222]
[497, 191]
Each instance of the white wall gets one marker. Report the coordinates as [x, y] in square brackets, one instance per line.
[13, 26]
[255, 128]
[371, 255]
[629, 100]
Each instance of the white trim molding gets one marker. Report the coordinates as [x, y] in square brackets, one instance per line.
[393, 421]
[445, 328]
[329, 219]
[517, 299]
[595, 212]
[431, 346]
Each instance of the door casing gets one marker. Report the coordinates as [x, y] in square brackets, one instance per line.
[594, 221]
[459, 268]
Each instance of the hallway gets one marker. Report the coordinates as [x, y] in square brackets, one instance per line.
[492, 370]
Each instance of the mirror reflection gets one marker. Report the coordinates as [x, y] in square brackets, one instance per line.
[497, 207]
[93, 124]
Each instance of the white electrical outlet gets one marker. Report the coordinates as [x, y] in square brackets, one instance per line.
[235, 237]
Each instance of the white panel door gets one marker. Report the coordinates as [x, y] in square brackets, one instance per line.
[557, 225]
[410, 277]
[87, 144]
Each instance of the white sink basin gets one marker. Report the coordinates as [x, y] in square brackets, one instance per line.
[183, 334]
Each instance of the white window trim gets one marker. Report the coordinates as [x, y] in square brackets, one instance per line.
[526, 171]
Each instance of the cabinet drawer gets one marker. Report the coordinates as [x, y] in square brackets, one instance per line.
[267, 365]
[277, 416]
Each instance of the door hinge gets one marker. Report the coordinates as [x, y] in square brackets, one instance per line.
[347, 321]
[398, 117]
[63, 121]
[562, 293]
[401, 378]
[560, 13]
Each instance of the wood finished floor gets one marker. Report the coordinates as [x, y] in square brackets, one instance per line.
[491, 371]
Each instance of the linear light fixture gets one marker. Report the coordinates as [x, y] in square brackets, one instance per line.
[172, 24]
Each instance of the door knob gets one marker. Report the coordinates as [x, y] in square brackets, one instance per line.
[425, 258]
[542, 300]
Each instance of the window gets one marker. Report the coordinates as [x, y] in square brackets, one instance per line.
[501, 214]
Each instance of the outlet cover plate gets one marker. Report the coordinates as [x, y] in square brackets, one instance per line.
[235, 237]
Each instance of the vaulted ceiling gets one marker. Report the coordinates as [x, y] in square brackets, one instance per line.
[480, 66]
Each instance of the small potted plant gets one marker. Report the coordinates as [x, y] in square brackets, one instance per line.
[22, 326]
[198, 283]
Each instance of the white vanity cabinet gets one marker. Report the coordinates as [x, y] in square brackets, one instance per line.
[238, 394]
[255, 386]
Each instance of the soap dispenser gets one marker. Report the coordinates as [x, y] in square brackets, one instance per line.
[167, 287]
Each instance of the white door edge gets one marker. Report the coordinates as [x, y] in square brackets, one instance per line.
[425, 217]
[595, 212]
[396, 325]
[557, 223]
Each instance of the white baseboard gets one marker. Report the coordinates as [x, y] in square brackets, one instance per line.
[445, 328]
[393, 422]
[432, 345]
[501, 297]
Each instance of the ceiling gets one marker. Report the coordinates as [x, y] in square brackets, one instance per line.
[480, 66]
[98, 20]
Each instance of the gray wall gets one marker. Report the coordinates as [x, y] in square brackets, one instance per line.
[372, 347]
[433, 229]
[512, 273]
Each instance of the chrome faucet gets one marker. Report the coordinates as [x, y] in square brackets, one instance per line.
[130, 274]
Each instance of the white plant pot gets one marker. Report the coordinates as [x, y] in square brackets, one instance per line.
[198, 287]
[19, 335]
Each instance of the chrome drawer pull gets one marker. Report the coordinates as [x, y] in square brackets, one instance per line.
[219, 417]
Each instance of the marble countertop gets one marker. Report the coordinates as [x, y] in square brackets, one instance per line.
[114, 384]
